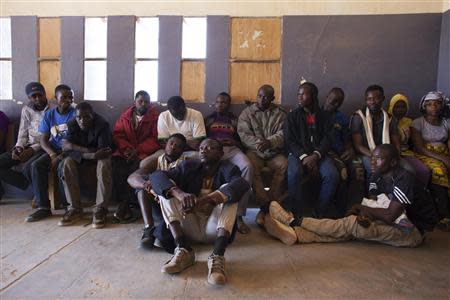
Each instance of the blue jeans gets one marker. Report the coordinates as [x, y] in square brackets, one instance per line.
[297, 175]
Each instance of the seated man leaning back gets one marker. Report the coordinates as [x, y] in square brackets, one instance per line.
[199, 200]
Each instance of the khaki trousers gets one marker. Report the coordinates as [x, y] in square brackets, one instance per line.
[200, 226]
[69, 170]
[278, 166]
[329, 231]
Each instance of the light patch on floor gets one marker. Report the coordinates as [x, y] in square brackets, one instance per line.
[42, 260]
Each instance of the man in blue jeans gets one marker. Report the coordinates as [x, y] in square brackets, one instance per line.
[308, 136]
[53, 129]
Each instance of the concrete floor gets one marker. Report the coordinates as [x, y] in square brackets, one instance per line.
[42, 260]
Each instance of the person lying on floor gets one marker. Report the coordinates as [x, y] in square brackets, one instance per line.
[199, 201]
[391, 184]
[139, 180]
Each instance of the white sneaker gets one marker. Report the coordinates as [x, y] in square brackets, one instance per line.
[216, 270]
[181, 260]
[278, 213]
[284, 233]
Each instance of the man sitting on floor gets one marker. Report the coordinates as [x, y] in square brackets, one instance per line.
[53, 129]
[28, 147]
[391, 184]
[86, 146]
[199, 201]
[139, 180]
[179, 119]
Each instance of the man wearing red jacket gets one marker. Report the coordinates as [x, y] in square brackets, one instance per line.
[135, 136]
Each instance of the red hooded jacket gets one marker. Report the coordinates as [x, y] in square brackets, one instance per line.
[144, 138]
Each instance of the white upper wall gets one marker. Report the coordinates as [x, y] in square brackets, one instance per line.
[446, 5]
[219, 7]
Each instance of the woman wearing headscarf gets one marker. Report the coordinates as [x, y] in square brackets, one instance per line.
[398, 109]
[430, 136]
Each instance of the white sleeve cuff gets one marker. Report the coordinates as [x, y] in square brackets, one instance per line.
[318, 153]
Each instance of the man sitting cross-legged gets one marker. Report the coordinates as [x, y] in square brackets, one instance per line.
[87, 144]
[199, 200]
[139, 180]
[396, 191]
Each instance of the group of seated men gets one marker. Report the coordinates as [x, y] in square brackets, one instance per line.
[197, 174]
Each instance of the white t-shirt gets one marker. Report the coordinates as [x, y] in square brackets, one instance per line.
[191, 127]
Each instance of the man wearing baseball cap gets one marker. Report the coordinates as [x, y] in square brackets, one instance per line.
[27, 148]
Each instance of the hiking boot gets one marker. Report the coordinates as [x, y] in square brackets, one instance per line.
[147, 239]
[216, 270]
[181, 260]
[71, 216]
[38, 215]
[284, 233]
[99, 217]
[278, 213]
[260, 218]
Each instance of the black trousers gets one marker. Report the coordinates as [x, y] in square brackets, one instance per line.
[19, 179]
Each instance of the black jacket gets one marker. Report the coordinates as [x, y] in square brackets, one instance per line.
[189, 178]
[300, 139]
[98, 137]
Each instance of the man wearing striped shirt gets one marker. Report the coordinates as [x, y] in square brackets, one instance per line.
[390, 184]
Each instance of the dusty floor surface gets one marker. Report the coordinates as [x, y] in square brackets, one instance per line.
[42, 260]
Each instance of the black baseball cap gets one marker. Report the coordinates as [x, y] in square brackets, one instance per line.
[34, 88]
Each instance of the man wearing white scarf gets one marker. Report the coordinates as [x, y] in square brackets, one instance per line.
[372, 126]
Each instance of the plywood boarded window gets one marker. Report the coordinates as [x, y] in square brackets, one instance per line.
[255, 57]
[50, 76]
[255, 38]
[192, 87]
[246, 78]
[50, 54]
[193, 80]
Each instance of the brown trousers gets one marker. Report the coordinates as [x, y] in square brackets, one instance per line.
[345, 229]
[278, 166]
[71, 181]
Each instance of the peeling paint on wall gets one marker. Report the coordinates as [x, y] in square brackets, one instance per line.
[244, 44]
[257, 34]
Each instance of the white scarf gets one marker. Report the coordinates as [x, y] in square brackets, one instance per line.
[368, 127]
